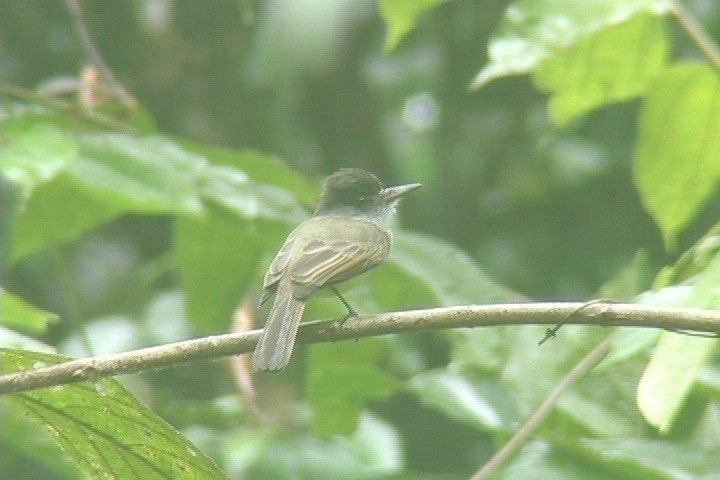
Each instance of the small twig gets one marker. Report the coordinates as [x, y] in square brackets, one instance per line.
[697, 33]
[552, 331]
[59, 105]
[79, 21]
[609, 315]
[532, 423]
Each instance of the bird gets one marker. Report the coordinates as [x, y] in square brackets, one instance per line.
[347, 235]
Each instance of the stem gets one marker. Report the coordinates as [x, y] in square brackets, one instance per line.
[608, 315]
[59, 105]
[697, 33]
[94, 54]
[532, 423]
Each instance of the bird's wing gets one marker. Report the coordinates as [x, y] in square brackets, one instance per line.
[323, 262]
[275, 270]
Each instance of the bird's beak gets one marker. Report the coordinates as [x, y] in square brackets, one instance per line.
[391, 194]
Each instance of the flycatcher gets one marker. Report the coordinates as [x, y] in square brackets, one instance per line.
[347, 235]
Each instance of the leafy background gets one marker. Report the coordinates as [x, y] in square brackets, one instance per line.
[583, 162]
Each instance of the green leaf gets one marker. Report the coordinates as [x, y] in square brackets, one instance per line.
[678, 359]
[654, 458]
[113, 174]
[260, 167]
[218, 257]
[694, 261]
[148, 175]
[247, 199]
[449, 273]
[36, 154]
[613, 64]
[677, 163]
[670, 374]
[374, 450]
[342, 377]
[482, 405]
[538, 460]
[104, 429]
[58, 211]
[218, 254]
[533, 30]
[37, 447]
[17, 314]
[401, 17]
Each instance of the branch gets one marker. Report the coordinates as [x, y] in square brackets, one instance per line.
[531, 424]
[697, 33]
[79, 21]
[59, 105]
[604, 314]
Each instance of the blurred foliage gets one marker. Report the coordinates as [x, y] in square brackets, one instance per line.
[150, 224]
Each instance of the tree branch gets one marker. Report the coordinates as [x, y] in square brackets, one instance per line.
[604, 314]
[531, 424]
[697, 33]
[84, 34]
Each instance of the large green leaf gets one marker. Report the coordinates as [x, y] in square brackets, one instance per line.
[533, 30]
[677, 165]
[112, 174]
[678, 359]
[20, 315]
[218, 253]
[218, 257]
[36, 447]
[148, 175]
[35, 154]
[611, 65]
[260, 167]
[58, 211]
[342, 378]
[104, 429]
[479, 404]
[450, 274]
[654, 458]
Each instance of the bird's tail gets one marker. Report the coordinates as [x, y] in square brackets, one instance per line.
[273, 351]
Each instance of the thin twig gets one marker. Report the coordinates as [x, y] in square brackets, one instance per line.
[79, 21]
[609, 315]
[532, 423]
[697, 33]
[59, 105]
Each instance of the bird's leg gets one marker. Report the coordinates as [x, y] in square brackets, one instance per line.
[350, 309]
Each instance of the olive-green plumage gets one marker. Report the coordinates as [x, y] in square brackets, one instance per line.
[346, 236]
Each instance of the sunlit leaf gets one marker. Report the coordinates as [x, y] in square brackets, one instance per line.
[677, 165]
[612, 65]
[260, 167]
[113, 174]
[678, 359]
[533, 30]
[104, 429]
[36, 154]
